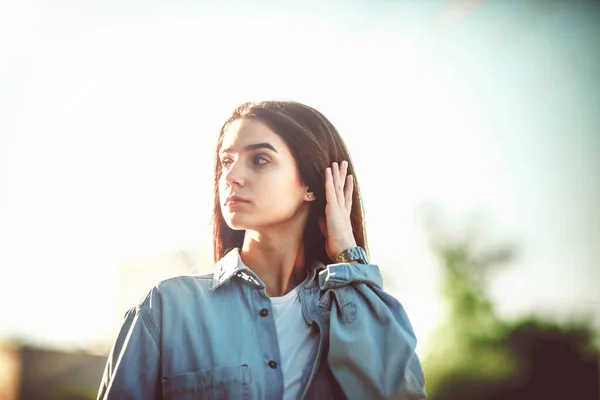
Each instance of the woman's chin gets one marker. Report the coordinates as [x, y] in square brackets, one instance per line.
[236, 223]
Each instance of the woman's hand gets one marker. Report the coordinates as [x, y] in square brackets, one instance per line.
[336, 225]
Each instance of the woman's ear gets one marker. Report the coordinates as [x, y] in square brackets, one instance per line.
[309, 194]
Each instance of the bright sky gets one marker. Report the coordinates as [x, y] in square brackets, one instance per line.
[109, 112]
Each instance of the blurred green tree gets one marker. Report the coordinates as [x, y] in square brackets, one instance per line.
[478, 355]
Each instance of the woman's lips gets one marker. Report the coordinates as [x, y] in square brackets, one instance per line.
[235, 201]
[232, 203]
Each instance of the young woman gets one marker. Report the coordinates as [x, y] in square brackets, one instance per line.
[293, 309]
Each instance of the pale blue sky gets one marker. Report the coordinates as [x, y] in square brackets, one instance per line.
[109, 111]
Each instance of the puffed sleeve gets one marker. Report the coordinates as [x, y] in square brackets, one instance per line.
[371, 341]
[133, 367]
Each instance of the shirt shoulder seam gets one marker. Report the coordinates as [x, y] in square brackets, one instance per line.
[150, 325]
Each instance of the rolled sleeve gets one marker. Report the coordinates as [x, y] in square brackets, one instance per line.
[336, 275]
[371, 341]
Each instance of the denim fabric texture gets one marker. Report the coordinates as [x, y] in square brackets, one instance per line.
[205, 337]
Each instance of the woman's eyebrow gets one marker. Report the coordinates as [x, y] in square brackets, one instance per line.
[253, 146]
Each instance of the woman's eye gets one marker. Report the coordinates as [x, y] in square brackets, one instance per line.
[259, 160]
[225, 162]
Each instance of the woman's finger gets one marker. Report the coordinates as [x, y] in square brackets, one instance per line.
[330, 195]
[348, 189]
[343, 174]
[337, 183]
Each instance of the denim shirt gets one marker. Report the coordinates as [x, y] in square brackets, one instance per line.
[213, 337]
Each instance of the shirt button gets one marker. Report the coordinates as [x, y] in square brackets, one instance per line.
[264, 312]
[272, 364]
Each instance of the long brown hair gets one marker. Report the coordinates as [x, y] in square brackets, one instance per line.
[315, 144]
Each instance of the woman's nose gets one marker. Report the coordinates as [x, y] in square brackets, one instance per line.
[234, 175]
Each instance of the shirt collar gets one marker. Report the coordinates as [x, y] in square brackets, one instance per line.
[231, 264]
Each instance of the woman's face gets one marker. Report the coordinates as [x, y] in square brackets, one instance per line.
[258, 167]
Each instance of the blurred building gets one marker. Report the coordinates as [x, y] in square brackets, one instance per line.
[10, 367]
[29, 373]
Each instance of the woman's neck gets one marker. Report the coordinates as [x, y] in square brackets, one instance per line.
[277, 259]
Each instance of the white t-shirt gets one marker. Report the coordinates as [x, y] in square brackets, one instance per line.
[297, 341]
